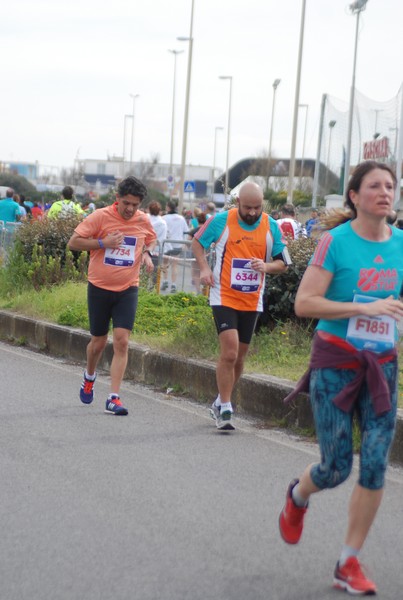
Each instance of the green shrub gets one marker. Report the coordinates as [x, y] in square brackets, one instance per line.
[14, 274]
[51, 234]
[40, 256]
[280, 290]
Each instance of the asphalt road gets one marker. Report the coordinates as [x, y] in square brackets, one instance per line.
[159, 505]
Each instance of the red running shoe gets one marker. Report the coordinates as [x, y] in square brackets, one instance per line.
[291, 520]
[351, 578]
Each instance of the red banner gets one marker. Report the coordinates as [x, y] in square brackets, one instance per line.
[376, 149]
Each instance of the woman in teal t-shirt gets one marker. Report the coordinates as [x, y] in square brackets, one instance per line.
[352, 285]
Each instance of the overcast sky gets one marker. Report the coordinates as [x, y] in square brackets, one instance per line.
[68, 69]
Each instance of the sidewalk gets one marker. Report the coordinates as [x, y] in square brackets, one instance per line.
[256, 395]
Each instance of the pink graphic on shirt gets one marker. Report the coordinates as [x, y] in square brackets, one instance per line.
[371, 280]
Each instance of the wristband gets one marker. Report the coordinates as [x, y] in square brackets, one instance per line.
[100, 242]
[148, 252]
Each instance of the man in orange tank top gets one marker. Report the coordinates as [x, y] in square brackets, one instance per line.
[248, 245]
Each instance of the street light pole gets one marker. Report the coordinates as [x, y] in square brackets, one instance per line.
[301, 170]
[276, 83]
[214, 157]
[296, 102]
[175, 53]
[186, 115]
[229, 78]
[124, 142]
[356, 8]
[134, 96]
[331, 125]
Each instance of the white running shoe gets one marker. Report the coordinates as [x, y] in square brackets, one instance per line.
[223, 421]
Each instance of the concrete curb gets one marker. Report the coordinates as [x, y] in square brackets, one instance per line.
[256, 395]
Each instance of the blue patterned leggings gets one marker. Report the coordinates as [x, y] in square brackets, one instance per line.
[334, 429]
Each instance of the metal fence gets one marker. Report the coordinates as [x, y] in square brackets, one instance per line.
[7, 237]
[176, 269]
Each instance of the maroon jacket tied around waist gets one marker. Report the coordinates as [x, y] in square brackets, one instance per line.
[367, 364]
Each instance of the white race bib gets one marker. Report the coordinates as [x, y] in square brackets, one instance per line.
[243, 277]
[371, 333]
[122, 256]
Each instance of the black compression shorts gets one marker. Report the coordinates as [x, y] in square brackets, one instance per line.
[244, 321]
[104, 305]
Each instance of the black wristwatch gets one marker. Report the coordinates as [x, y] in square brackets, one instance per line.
[148, 252]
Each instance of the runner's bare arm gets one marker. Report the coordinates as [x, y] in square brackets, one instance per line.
[206, 275]
[112, 240]
[310, 300]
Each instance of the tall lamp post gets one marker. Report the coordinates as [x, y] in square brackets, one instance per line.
[301, 170]
[186, 115]
[214, 157]
[171, 156]
[331, 125]
[134, 96]
[356, 8]
[124, 142]
[276, 83]
[296, 102]
[229, 78]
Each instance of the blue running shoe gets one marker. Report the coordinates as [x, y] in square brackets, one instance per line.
[87, 390]
[115, 407]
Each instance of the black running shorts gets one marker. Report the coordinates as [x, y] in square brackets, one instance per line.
[104, 305]
[244, 321]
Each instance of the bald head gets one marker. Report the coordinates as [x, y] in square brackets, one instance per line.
[250, 202]
[250, 191]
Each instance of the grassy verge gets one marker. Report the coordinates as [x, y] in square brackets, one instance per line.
[180, 324]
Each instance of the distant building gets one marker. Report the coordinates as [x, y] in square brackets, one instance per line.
[33, 171]
[101, 174]
[28, 170]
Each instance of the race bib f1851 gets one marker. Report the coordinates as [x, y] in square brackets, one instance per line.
[371, 333]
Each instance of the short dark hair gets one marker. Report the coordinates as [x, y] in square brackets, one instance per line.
[67, 192]
[288, 209]
[171, 205]
[134, 187]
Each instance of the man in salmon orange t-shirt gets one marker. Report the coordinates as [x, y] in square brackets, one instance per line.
[119, 238]
[248, 245]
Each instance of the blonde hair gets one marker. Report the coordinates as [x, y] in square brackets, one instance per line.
[333, 218]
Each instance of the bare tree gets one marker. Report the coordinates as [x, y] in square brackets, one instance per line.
[146, 169]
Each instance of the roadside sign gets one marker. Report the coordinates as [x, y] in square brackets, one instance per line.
[170, 182]
[189, 186]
